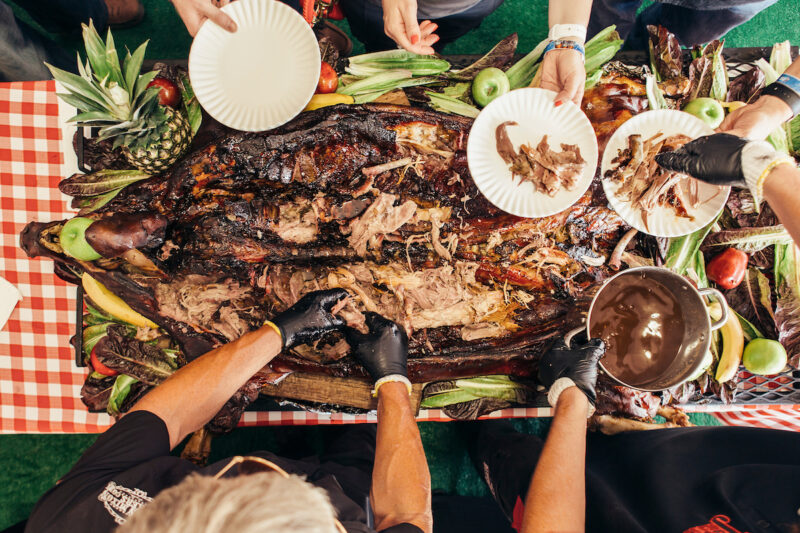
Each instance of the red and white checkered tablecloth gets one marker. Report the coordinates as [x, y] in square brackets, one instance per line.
[39, 381]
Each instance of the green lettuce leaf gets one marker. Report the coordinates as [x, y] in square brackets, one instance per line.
[750, 239]
[141, 360]
[498, 57]
[100, 182]
[119, 392]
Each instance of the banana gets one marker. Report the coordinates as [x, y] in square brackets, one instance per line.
[732, 348]
[324, 100]
[112, 304]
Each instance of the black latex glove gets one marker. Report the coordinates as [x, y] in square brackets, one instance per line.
[384, 350]
[310, 318]
[715, 159]
[578, 363]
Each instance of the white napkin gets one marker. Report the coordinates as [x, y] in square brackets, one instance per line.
[9, 296]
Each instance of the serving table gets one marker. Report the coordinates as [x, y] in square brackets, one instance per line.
[39, 380]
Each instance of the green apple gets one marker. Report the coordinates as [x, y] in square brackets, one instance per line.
[489, 84]
[73, 239]
[708, 110]
[764, 357]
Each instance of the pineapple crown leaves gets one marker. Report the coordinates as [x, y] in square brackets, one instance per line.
[111, 95]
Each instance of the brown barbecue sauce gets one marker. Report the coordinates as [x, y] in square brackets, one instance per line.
[641, 323]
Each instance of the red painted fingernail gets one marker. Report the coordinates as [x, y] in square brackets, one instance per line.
[414, 39]
[558, 103]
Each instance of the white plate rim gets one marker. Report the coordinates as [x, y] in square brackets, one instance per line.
[235, 10]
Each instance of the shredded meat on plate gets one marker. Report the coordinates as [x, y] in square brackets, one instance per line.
[549, 171]
[645, 184]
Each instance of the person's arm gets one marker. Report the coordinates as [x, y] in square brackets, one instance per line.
[557, 496]
[757, 120]
[401, 483]
[563, 69]
[724, 159]
[195, 393]
[400, 25]
[782, 191]
[556, 499]
[194, 12]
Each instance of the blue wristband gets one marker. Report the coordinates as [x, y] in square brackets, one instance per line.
[561, 44]
[790, 81]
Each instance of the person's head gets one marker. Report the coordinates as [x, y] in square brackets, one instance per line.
[264, 501]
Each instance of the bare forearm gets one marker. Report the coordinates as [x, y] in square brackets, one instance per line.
[782, 191]
[196, 392]
[401, 482]
[569, 12]
[556, 498]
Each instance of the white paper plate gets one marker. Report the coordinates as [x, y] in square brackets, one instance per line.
[536, 115]
[260, 76]
[663, 221]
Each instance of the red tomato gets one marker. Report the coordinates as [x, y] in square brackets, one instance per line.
[99, 367]
[168, 93]
[328, 80]
[728, 268]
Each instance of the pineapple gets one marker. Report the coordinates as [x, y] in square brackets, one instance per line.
[116, 98]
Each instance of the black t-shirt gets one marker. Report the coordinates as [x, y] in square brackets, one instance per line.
[710, 479]
[129, 465]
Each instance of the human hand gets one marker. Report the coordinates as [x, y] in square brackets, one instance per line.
[564, 73]
[576, 366]
[194, 12]
[384, 350]
[715, 159]
[724, 159]
[310, 318]
[400, 24]
[757, 120]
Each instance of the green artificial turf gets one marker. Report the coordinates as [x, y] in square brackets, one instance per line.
[30, 464]
[169, 39]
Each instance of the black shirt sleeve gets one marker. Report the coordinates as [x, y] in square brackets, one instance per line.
[124, 452]
[402, 528]
[137, 437]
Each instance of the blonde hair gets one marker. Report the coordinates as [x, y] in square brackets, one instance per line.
[251, 503]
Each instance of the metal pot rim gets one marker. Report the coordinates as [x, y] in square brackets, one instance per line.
[699, 293]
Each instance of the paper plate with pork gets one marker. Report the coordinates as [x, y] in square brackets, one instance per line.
[529, 157]
[649, 198]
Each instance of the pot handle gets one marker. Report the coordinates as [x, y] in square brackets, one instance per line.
[569, 336]
[723, 303]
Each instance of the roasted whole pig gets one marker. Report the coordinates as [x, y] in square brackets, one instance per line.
[377, 199]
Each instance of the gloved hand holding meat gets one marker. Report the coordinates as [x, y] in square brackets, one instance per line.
[724, 159]
[563, 367]
[310, 318]
[384, 350]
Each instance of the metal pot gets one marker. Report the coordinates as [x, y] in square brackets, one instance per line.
[697, 332]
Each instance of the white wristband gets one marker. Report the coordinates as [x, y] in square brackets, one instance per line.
[392, 378]
[560, 385]
[562, 31]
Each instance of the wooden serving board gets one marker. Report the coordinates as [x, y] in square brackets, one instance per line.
[340, 391]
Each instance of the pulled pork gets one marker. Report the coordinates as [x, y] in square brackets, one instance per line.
[547, 170]
[380, 218]
[218, 307]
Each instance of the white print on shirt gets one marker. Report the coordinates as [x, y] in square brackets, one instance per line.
[121, 502]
